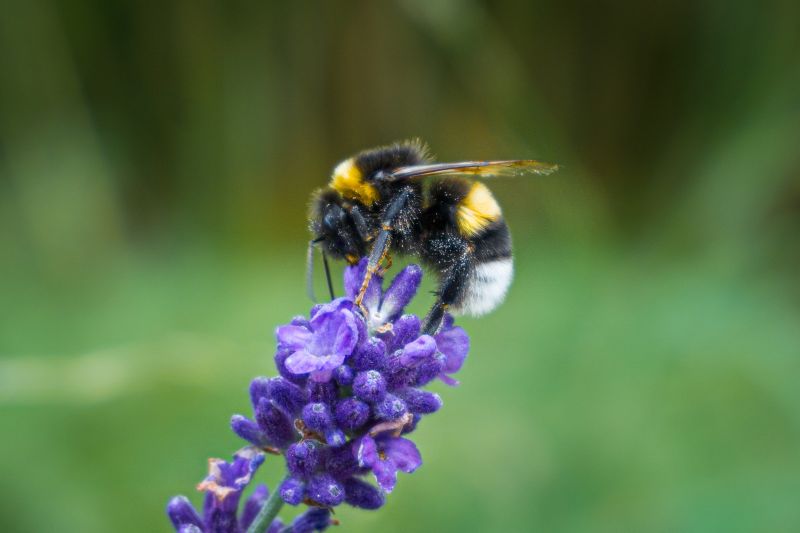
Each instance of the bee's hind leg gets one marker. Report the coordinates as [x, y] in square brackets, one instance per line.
[451, 291]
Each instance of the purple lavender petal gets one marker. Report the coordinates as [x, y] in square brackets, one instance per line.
[403, 453]
[293, 337]
[400, 292]
[367, 451]
[361, 494]
[454, 344]
[253, 505]
[181, 513]
[353, 277]
[303, 362]
[292, 490]
[369, 386]
[324, 489]
[418, 350]
[385, 474]
[346, 336]
[280, 363]
[447, 380]
[190, 528]
[220, 518]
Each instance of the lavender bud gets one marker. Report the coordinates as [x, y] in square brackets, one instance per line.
[404, 330]
[428, 371]
[390, 408]
[301, 321]
[369, 386]
[324, 489]
[259, 388]
[302, 458]
[321, 392]
[335, 437]
[286, 395]
[317, 416]
[343, 375]
[275, 424]
[351, 414]
[249, 431]
[182, 513]
[361, 494]
[418, 351]
[420, 401]
[368, 355]
[292, 490]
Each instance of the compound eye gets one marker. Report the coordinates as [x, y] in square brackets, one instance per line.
[333, 217]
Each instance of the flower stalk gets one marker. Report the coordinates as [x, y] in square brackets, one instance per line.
[267, 514]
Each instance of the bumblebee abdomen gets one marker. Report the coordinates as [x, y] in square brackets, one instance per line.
[490, 273]
[486, 287]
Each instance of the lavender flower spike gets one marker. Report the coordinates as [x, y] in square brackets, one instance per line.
[349, 396]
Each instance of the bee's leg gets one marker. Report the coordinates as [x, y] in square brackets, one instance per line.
[328, 275]
[383, 241]
[379, 250]
[360, 222]
[453, 284]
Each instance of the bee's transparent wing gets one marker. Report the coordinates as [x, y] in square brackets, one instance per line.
[485, 169]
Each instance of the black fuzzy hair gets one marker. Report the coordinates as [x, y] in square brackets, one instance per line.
[400, 154]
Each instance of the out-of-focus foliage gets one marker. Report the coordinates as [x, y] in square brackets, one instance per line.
[155, 163]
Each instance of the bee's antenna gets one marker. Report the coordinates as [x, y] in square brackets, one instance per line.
[310, 270]
[328, 274]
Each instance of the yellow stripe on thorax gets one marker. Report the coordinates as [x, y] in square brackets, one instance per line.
[476, 210]
[348, 181]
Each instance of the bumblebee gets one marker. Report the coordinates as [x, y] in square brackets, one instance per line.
[394, 200]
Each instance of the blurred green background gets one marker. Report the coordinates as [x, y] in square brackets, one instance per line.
[155, 164]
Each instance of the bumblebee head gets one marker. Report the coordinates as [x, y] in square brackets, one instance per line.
[333, 226]
[351, 182]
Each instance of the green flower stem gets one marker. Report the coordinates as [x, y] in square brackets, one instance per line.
[268, 513]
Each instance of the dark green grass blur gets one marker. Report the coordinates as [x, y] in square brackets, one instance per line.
[155, 164]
